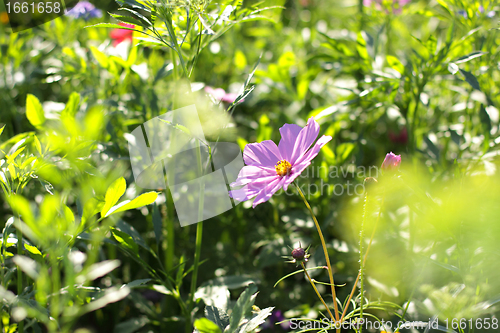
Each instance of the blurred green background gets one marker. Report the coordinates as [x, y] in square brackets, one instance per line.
[418, 78]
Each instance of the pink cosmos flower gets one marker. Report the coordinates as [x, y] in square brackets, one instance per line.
[221, 95]
[270, 167]
[391, 162]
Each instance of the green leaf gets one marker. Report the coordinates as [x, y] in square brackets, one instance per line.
[12, 157]
[256, 321]
[142, 200]
[217, 315]
[101, 58]
[27, 265]
[231, 281]
[127, 19]
[135, 4]
[22, 207]
[34, 111]
[243, 304]
[109, 25]
[102, 268]
[204, 325]
[145, 22]
[113, 194]
[471, 79]
[129, 230]
[72, 106]
[125, 240]
[38, 145]
[1, 129]
[213, 295]
[137, 283]
[91, 208]
[361, 47]
[32, 249]
[131, 325]
[344, 150]
[395, 64]
[112, 295]
[469, 57]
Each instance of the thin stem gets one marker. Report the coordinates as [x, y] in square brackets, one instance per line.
[361, 264]
[364, 260]
[334, 296]
[316, 290]
[169, 224]
[199, 235]
[19, 272]
[198, 48]
[173, 38]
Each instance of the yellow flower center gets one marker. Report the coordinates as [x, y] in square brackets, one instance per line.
[283, 168]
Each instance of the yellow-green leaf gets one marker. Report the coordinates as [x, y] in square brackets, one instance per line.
[142, 200]
[395, 64]
[113, 194]
[34, 111]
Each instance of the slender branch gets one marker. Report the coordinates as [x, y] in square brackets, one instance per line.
[19, 272]
[316, 290]
[334, 296]
[364, 260]
[362, 264]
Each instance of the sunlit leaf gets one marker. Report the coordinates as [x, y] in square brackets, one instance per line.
[125, 240]
[101, 268]
[113, 194]
[34, 111]
[204, 325]
[142, 200]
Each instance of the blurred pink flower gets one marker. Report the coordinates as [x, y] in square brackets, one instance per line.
[391, 162]
[121, 35]
[221, 95]
[396, 4]
[270, 167]
[401, 137]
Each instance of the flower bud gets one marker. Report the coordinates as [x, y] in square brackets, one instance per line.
[298, 253]
[391, 162]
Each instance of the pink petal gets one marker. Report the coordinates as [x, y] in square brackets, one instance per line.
[229, 97]
[305, 160]
[267, 192]
[305, 139]
[251, 173]
[217, 93]
[296, 171]
[244, 194]
[252, 189]
[263, 154]
[313, 152]
[289, 134]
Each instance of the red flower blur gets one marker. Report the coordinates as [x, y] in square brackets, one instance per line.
[121, 35]
[401, 137]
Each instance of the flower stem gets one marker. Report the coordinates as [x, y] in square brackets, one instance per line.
[19, 272]
[334, 296]
[199, 235]
[362, 264]
[364, 260]
[316, 290]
